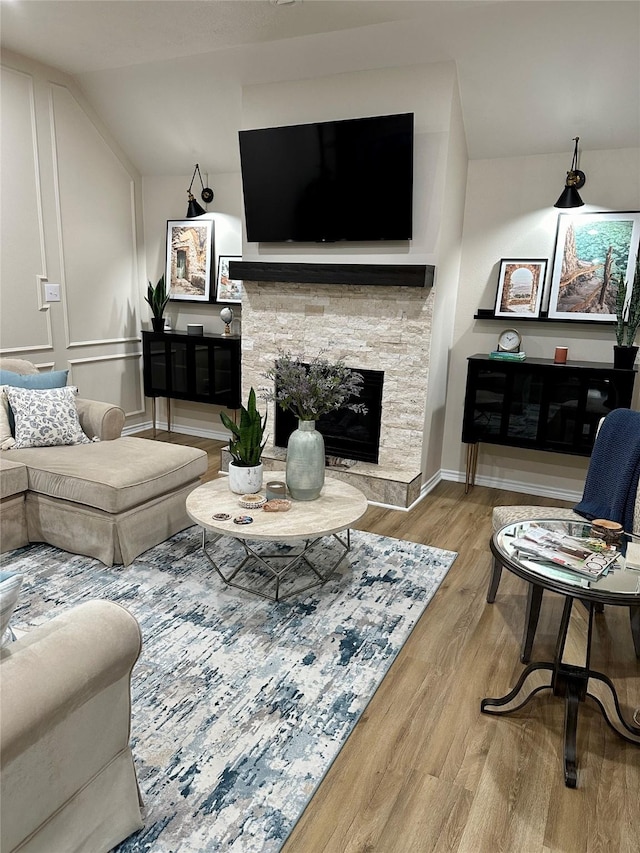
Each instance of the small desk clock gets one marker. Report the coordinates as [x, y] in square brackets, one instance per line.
[509, 340]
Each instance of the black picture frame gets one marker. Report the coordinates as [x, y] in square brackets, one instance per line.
[189, 262]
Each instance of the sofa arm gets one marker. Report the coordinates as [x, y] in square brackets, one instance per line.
[103, 420]
[66, 716]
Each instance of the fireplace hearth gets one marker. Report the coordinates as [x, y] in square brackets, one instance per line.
[347, 434]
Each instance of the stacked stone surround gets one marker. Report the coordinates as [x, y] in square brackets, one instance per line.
[375, 328]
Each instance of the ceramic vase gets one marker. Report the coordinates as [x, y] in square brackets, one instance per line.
[305, 462]
[245, 480]
[624, 357]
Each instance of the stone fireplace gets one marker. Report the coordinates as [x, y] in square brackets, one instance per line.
[378, 328]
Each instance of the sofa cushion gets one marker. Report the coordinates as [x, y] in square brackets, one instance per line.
[17, 365]
[10, 583]
[45, 417]
[113, 476]
[13, 478]
[511, 514]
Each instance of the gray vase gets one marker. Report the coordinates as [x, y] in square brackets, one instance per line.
[305, 462]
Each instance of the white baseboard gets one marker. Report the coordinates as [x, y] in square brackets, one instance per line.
[515, 486]
[428, 486]
[215, 435]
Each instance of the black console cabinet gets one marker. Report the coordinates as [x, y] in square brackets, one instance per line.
[539, 405]
[200, 368]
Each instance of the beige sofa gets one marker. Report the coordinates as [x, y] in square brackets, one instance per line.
[68, 781]
[112, 499]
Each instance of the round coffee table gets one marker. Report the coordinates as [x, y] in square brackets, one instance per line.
[306, 524]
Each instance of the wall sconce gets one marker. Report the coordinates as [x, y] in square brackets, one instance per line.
[194, 209]
[575, 180]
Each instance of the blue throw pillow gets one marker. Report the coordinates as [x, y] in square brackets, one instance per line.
[51, 379]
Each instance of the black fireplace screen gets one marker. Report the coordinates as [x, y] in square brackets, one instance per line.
[347, 434]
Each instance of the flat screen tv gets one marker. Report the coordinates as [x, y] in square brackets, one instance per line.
[329, 181]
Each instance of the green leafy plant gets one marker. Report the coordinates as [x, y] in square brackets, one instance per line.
[313, 389]
[157, 297]
[248, 440]
[628, 319]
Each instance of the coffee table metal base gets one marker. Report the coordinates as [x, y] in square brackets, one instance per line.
[263, 573]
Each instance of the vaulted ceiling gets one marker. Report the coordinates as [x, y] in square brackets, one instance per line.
[532, 75]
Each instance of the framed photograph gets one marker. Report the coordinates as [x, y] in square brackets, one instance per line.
[520, 285]
[592, 251]
[189, 260]
[227, 289]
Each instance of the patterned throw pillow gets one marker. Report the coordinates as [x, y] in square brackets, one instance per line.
[48, 379]
[10, 583]
[46, 417]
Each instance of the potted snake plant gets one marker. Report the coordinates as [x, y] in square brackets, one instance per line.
[245, 446]
[157, 298]
[627, 320]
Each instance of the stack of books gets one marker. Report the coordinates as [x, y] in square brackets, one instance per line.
[499, 355]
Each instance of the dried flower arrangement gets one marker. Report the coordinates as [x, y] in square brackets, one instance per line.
[314, 388]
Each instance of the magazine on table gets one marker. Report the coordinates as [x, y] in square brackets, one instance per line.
[589, 558]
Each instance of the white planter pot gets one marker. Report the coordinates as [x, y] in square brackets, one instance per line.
[245, 481]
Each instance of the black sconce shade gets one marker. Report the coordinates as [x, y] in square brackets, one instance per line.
[570, 197]
[193, 208]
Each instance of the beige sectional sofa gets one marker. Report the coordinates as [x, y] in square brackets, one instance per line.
[112, 499]
[68, 780]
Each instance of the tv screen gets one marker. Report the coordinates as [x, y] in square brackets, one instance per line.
[329, 181]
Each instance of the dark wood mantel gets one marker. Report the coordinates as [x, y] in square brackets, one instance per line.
[384, 275]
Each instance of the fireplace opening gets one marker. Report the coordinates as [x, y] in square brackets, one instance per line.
[347, 434]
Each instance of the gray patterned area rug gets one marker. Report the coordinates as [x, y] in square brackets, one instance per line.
[240, 705]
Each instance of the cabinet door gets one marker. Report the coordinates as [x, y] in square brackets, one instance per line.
[202, 370]
[179, 368]
[156, 369]
[487, 389]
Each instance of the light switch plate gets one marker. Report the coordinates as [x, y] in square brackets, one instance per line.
[52, 293]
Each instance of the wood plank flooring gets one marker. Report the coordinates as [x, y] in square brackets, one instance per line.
[424, 770]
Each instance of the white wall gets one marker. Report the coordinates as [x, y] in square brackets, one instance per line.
[425, 90]
[70, 216]
[509, 214]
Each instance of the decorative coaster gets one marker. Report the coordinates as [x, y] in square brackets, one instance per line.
[252, 501]
[221, 516]
[242, 519]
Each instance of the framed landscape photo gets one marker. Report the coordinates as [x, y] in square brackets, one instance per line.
[227, 289]
[592, 251]
[189, 260]
[520, 285]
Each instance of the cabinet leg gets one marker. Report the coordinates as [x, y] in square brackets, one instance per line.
[472, 464]
[168, 414]
[153, 414]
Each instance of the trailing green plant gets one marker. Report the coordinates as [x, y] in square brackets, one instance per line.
[627, 321]
[157, 297]
[248, 440]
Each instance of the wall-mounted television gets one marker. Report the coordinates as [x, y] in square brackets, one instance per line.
[329, 181]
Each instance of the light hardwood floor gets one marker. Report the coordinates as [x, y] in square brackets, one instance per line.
[423, 769]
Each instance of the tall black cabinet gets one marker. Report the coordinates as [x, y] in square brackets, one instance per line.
[200, 368]
[539, 405]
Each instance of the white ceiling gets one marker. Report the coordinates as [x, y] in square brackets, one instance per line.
[533, 73]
